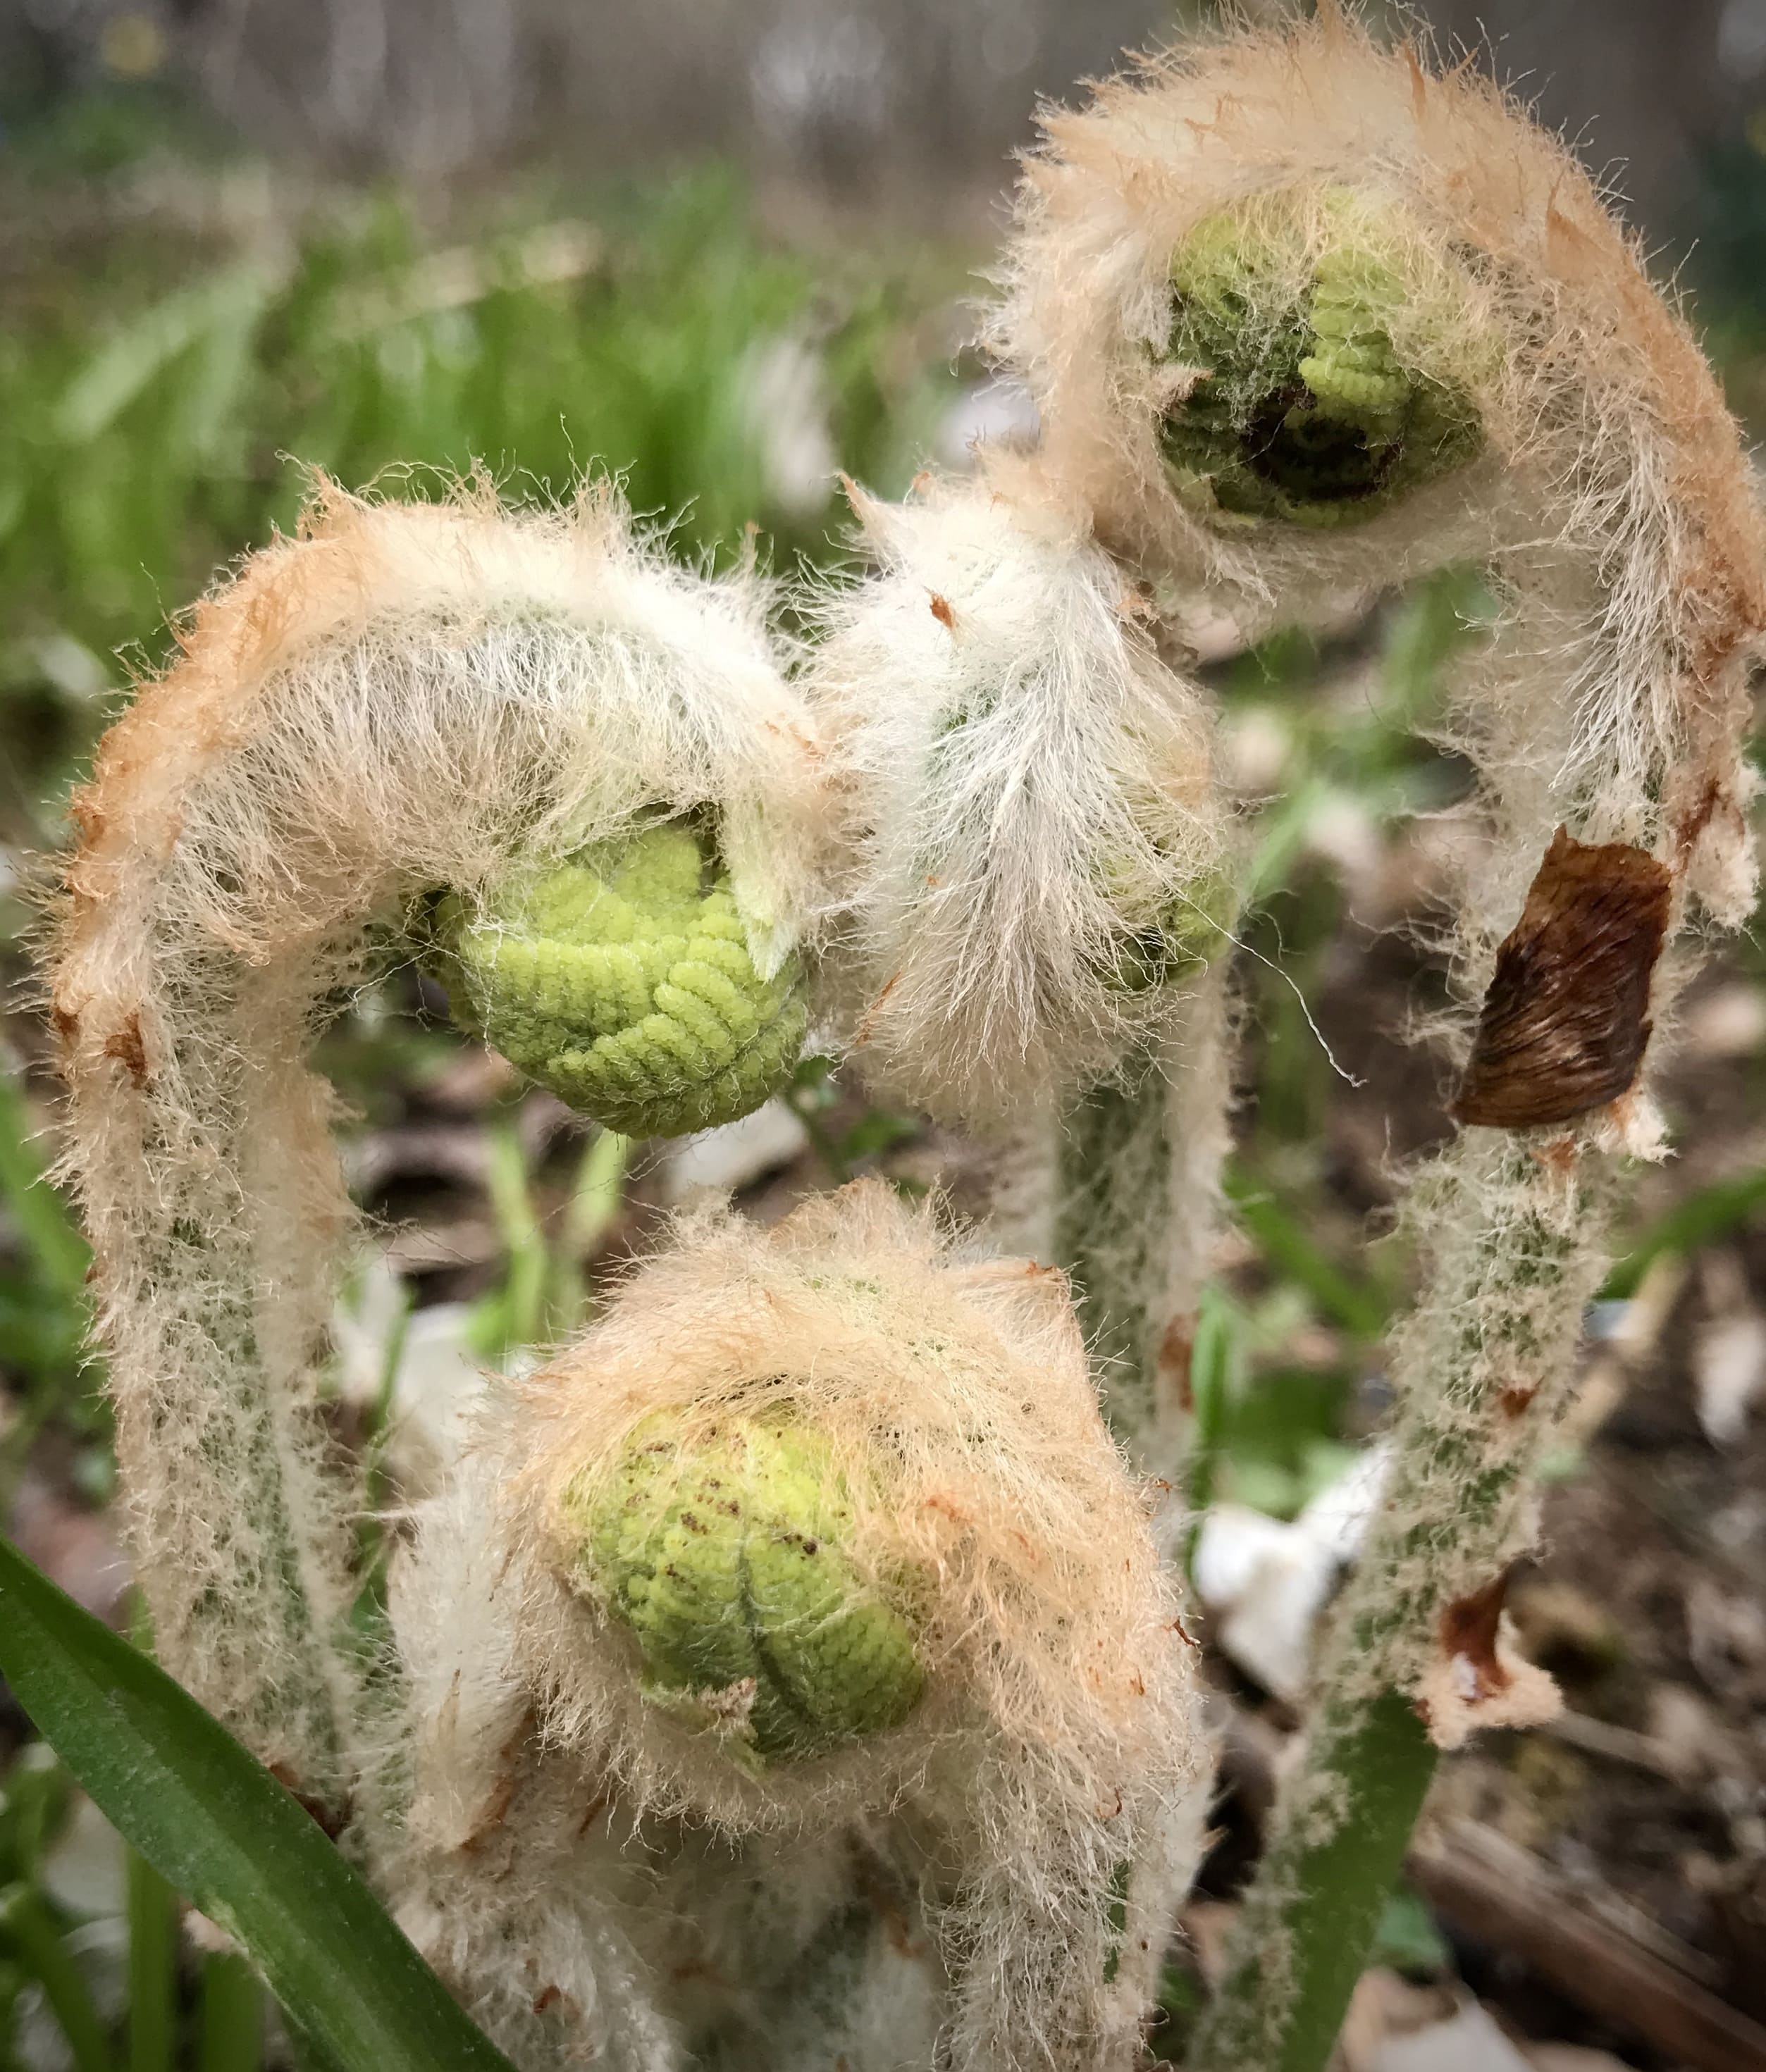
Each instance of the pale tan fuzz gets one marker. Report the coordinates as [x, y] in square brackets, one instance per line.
[1052, 1774]
[1031, 800]
[402, 697]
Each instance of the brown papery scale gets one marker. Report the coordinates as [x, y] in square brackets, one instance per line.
[1565, 1019]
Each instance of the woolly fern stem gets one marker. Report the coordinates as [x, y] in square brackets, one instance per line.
[1416, 1658]
[1316, 1908]
[1137, 1191]
[1113, 1202]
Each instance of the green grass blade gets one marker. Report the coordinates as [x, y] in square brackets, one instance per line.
[600, 1191]
[152, 1969]
[232, 2016]
[33, 1939]
[139, 350]
[518, 1224]
[1323, 1902]
[61, 1254]
[1352, 1304]
[215, 1824]
[1702, 1218]
[593, 1210]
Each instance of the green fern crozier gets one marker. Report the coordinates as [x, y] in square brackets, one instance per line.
[1303, 410]
[726, 1555]
[622, 979]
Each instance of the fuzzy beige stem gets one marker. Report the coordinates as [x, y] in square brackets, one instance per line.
[237, 1516]
[1485, 1367]
[1138, 1209]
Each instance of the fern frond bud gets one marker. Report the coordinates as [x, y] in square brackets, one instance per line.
[621, 979]
[728, 1560]
[818, 1533]
[1039, 859]
[1304, 405]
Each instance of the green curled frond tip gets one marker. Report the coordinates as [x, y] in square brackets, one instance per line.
[622, 979]
[728, 1555]
[1304, 409]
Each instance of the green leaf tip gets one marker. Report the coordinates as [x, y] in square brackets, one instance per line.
[726, 1552]
[622, 981]
[1311, 406]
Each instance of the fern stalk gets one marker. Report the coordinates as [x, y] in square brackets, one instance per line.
[1418, 1632]
[1137, 1186]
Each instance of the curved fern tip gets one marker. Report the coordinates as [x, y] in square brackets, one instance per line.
[622, 981]
[1305, 405]
[728, 1555]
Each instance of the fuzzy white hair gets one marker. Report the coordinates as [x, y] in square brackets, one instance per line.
[403, 697]
[1031, 798]
[1041, 1805]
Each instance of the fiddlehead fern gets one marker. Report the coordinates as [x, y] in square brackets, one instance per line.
[399, 699]
[727, 1560]
[1298, 313]
[624, 980]
[812, 1561]
[1302, 407]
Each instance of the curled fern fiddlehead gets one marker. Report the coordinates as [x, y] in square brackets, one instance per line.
[726, 1556]
[1303, 409]
[622, 981]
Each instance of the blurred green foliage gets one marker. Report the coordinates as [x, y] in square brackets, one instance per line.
[166, 395]
[44, 1259]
